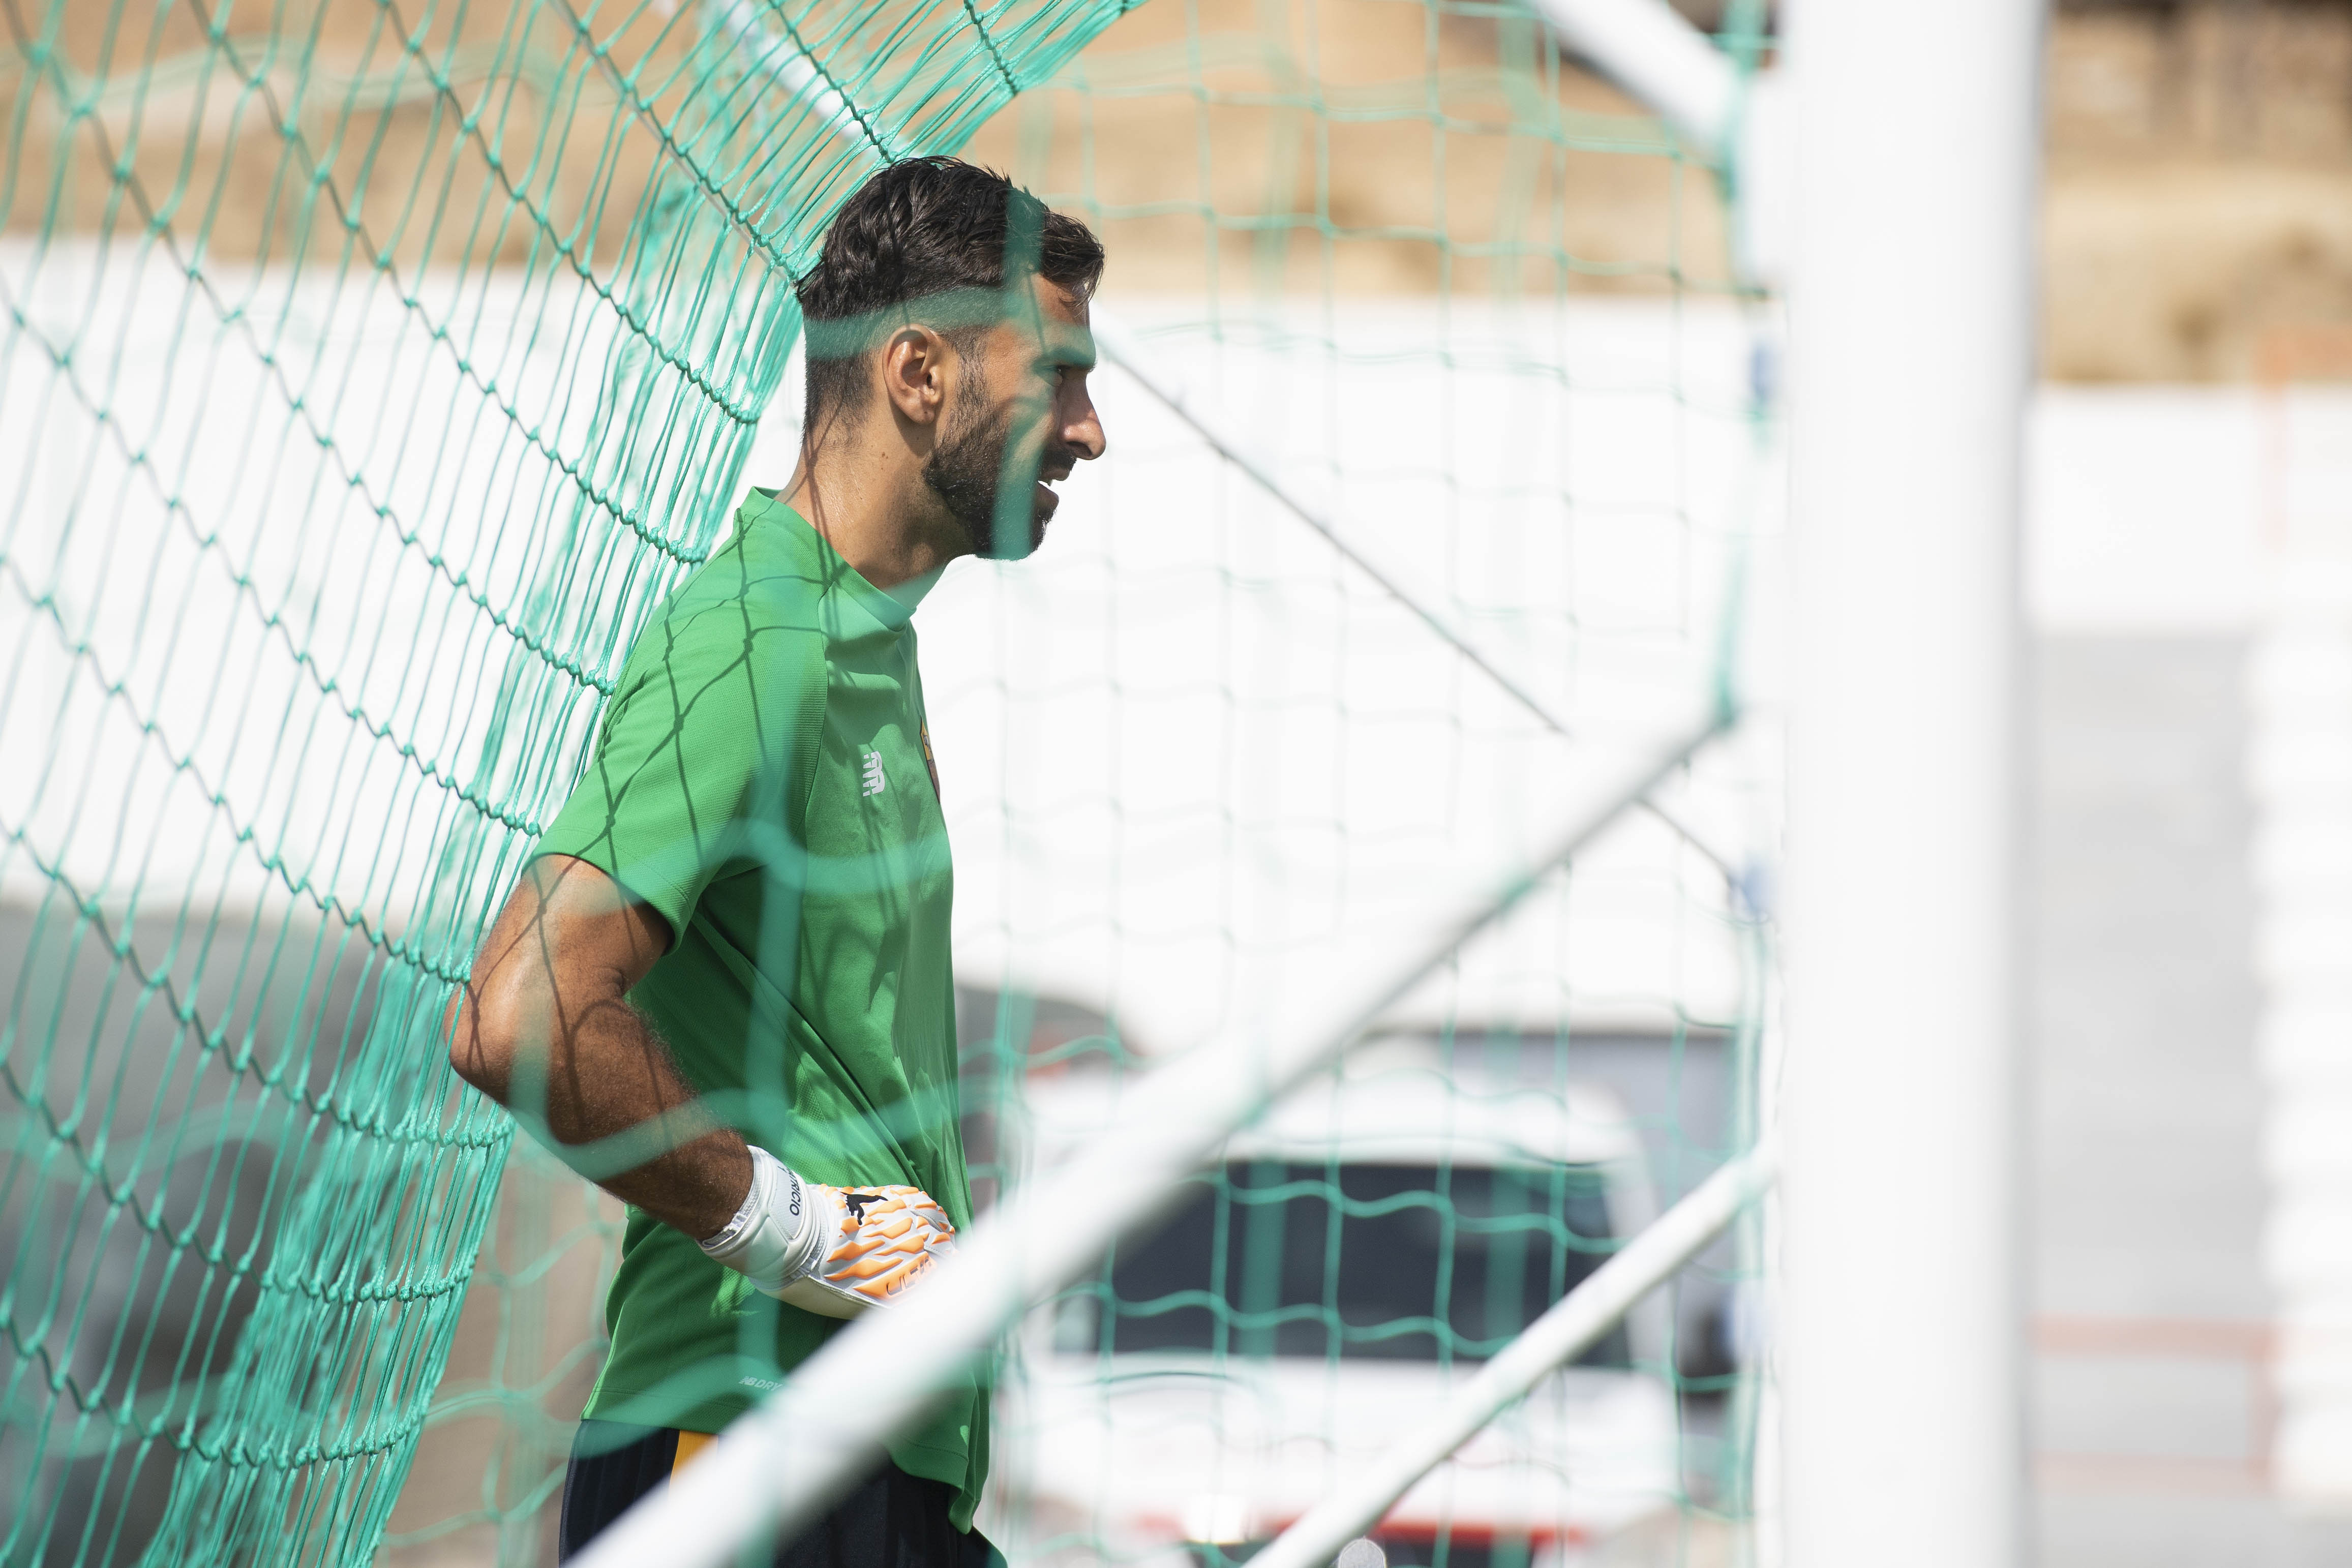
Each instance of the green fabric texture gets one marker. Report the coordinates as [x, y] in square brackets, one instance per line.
[760, 781]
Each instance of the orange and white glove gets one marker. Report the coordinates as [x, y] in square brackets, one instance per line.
[834, 1251]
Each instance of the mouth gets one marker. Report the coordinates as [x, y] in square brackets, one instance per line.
[1043, 498]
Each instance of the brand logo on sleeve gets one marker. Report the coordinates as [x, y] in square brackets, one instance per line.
[874, 782]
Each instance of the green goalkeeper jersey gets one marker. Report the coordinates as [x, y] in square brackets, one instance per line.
[762, 779]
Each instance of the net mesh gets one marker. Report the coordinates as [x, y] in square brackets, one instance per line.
[369, 370]
[1478, 321]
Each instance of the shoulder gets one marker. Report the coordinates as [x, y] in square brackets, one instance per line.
[712, 699]
[757, 637]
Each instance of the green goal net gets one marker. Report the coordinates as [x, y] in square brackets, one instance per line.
[369, 369]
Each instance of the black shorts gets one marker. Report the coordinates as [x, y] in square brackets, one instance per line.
[892, 1520]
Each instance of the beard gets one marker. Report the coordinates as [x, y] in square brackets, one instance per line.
[966, 471]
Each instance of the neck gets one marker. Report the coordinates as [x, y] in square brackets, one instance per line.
[873, 508]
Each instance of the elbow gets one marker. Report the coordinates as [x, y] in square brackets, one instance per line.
[481, 1041]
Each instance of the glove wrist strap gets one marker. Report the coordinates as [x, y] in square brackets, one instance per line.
[778, 1231]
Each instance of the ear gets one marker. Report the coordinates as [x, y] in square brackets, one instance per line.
[915, 373]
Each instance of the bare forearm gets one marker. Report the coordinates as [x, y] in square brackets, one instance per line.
[610, 1075]
[543, 1028]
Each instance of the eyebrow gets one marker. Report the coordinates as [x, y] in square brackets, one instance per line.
[1072, 346]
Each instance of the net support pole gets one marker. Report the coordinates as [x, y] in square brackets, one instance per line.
[778, 1466]
[1572, 1324]
[1696, 91]
[1910, 321]
[1670, 67]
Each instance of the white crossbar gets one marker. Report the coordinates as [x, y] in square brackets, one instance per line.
[1579, 1319]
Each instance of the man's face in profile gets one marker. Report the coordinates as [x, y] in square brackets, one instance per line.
[1019, 421]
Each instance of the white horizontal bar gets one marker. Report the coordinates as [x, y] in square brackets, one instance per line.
[1574, 1322]
[780, 1466]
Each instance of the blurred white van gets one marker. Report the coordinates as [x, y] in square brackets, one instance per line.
[1321, 1289]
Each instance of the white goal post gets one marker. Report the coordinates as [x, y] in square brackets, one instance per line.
[1900, 1314]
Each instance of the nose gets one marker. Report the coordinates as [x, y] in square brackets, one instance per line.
[1082, 430]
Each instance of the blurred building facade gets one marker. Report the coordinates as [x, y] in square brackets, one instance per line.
[2199, 194]
[2184, 1385]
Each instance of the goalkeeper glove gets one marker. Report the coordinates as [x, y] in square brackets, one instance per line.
[834, 1251]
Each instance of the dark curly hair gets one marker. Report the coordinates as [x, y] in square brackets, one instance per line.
[926, 227]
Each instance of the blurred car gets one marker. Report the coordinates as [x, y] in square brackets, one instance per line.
[1321, 1289]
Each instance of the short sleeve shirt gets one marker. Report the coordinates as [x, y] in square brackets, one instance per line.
[762, 779]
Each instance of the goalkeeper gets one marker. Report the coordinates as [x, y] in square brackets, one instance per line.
[726, 967]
